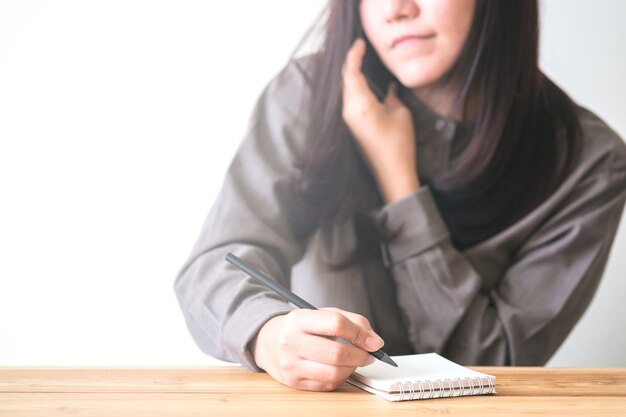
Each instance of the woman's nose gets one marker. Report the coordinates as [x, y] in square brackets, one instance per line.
[400, 9]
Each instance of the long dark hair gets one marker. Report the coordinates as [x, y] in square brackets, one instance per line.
[522, 141]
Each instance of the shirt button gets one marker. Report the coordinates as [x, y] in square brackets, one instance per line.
[440, 125]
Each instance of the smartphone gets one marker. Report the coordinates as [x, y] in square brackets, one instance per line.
[377, 75]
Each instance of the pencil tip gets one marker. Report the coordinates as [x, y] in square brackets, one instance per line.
[388, 360]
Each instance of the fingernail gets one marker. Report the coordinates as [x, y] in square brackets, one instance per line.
[371, 360]
[374, 342]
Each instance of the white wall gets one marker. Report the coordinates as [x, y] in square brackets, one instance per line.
[118, 119]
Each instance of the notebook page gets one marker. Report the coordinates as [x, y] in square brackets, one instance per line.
[412, 368]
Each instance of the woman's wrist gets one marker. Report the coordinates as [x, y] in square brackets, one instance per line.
[399, 187]
[256, 346]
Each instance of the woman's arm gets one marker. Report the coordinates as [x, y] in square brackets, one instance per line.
[223, 308]
[230, 315]
[525, 317]
[548, 284]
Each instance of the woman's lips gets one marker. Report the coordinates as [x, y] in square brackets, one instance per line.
[406, 39]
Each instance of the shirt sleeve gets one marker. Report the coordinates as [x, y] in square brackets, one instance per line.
[549, 283]
[223, 307]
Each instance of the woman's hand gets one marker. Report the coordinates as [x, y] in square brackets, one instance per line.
[383, 130]
[298, 349]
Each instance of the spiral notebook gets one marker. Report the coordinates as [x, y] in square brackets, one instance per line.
[420, 377]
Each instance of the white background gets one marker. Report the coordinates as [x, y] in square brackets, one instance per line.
[117, 122]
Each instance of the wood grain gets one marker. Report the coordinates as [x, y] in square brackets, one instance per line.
[235, 391]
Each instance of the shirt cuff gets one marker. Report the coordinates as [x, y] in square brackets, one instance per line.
[244, 325]
[414, 224]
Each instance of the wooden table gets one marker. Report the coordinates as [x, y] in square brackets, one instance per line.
[234, 391]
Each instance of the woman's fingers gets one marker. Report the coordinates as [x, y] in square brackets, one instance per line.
[331, 352]
[354, 317]
[354, 82]
[298, 349]
[322, 377]
[352, 64]
[329, 323]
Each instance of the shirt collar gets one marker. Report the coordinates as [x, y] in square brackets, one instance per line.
[429, 125]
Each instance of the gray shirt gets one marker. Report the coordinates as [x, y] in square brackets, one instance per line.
[509, 300]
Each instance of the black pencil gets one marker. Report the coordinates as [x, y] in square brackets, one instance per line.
[267, 281]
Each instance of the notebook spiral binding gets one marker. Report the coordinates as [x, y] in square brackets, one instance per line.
[438, 388]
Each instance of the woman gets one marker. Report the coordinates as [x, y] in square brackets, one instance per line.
[422, 176]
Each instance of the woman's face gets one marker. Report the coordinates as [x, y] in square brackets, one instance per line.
[417, 40]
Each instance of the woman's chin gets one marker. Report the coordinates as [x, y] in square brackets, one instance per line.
[417, 85]
[416, 80]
